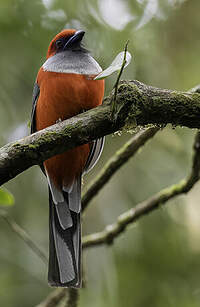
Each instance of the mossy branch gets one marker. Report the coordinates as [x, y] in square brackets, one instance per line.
[136, 103]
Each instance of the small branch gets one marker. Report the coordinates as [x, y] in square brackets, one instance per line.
[73, 298]
[24, 236]
[54, 298]
[112, 231]
[116, 161]
[135, 103]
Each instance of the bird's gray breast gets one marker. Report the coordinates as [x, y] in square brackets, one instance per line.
[76, 62]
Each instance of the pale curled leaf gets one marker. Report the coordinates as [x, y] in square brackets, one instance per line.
[115, 65]
[6, 198]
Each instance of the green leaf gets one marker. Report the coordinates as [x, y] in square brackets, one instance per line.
[115, 65]
[6, 198]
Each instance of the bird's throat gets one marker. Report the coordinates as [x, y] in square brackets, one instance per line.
[76, 62]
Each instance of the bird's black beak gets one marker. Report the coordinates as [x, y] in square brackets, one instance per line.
[75, 39]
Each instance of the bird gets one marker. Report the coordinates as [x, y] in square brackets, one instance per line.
[65, 87]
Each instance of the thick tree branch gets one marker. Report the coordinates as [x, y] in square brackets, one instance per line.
[112, 231]
[136, 103]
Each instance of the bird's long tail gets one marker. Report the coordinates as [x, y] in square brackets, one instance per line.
[65, 239]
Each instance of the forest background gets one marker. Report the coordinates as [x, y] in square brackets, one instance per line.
[156, 262]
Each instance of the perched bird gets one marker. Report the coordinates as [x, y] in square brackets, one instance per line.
[65, 87]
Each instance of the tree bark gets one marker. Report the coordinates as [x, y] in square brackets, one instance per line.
[136, 104]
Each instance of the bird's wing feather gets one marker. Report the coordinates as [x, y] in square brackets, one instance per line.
[74, 196]
[36, 93]
[94, 155]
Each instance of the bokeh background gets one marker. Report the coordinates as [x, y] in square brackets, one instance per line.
[156, 262]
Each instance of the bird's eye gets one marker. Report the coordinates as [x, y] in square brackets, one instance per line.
[59, 44]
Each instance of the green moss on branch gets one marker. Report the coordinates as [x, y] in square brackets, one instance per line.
[136, 103]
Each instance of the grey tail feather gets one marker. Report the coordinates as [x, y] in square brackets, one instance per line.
[64, 245]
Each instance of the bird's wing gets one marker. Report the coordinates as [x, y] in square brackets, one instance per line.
[36, 93]
[94, 155]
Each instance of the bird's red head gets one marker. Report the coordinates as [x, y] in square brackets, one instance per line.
[66, 39]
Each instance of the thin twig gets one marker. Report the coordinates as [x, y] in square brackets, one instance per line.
[58, 297]
[24, 236]
[73, 298]
[118, 79]
[112, 231]
[54, 298]
[116, 161]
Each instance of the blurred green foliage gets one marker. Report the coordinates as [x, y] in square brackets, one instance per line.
[157, 261]
[6, 198]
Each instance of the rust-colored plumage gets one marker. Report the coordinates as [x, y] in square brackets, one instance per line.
[73, 94]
